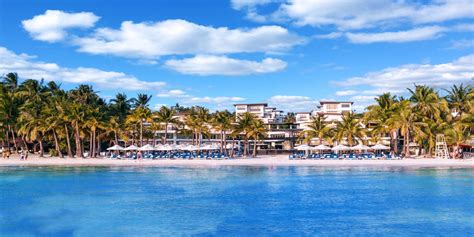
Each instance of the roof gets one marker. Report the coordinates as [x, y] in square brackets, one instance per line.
[303, 113]
[334, 102]
[253, 104]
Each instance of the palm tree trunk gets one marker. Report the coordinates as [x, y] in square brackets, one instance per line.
[8, 139]
[40, 140]
[254, 147]
[225, 141]
[166, 133]
[116, 137]
[56, 144]
[246, 144]
[13, 137]
[233, 145]
[141, 133]
[69, 149]
[78, 141]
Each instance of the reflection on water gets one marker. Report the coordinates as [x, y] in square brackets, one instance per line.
[243, 201]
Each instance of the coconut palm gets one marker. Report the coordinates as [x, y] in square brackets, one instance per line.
[379, 114]
[257, 131]
[222, 121]
[141, 101]
[350, 129]
[460, 99]
[167, 116]
[316, 129]
[120, 106]
[244, 126]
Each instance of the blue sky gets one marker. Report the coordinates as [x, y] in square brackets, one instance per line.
[215, 53]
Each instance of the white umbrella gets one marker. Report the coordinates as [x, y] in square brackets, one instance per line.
[192, 148]
[340, 148]
[380, 147]
[360, 147]
[303, 147]
[321, 148]
[230, 146]
[146, 147]
[167, 147]
[115, 148]
[131, 148]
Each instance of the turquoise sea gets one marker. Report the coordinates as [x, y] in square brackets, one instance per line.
[236, 201]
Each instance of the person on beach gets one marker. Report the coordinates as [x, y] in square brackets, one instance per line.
[22, 155]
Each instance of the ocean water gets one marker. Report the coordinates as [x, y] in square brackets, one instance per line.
[236, 201]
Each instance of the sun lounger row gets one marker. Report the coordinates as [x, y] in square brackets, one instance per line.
[332, 156]
[176, 155]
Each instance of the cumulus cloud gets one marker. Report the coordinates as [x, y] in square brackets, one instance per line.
[27, 67]
[206, 65]
[396, 79]
[172, 94]
[364, 14]
[178, 37]
[417, 34]
[293, 103]
[346, 92]
[52, 25]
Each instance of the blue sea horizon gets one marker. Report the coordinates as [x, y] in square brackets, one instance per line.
[236, 201]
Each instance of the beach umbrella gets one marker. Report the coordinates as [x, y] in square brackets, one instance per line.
[341, 148]
[131, 148]
[191, 148]
[303, 147]
[360, 147]
[321, 148]
[146, 147]
[380, 147]
[115, 148]
[167, 147]
[230, 146]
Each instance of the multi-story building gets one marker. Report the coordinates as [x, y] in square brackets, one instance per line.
[331, 111]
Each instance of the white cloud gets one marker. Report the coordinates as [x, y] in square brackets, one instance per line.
[240, 4]
[293, 103]
[27, 67]
[397, 79]
[178, 37]
[52, 25]
[462, 44]
[363, 14]
[417, 34]
[346, 92]
[172, 94]
[332, 35]
[221, 65]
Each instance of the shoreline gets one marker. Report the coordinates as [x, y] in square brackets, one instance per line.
[272, 161]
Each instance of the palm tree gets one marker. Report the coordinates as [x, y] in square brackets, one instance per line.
[222, 121]
[167, 116]
[379, 114]
[460, 98]
[317, 128]
[427, 102]
[140, 115]
[77, 116]
[11, 103]
[32, 118]
[244, 125]
[406, 121]
[349, 128]
[257, 130]
[141, 101]
[120, 106]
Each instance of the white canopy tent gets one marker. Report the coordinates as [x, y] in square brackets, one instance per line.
[146, 147]
[115, 148]
[131, 148]
[321, 148]
[360, 147]
[340, 148]
[303, 147]
[380, 147]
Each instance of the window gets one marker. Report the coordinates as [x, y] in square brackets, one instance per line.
[241, 108]
[255, 109]
[346, 106]
[331, 106]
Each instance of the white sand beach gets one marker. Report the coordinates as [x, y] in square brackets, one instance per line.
[280, 160]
